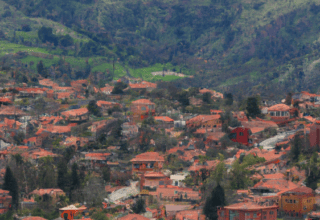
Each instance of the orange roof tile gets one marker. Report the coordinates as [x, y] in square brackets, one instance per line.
[142, 101]
[148, 156]
[75, 112]
[33, 218]
[279, 107]
[248, 206]
[190, 215]
[163, 118]
[133, 217]
[5, 100]
[11, 110]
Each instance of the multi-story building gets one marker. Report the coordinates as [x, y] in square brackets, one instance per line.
[297, 202]
[247, 210]
[147, 162]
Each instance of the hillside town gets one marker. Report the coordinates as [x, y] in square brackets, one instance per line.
[135, 150]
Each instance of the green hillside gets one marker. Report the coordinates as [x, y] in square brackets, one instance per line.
[242, 46]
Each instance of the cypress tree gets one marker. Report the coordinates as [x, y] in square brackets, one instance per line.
[216, 199]
[75, 177]
[10, 184]
[62, 180]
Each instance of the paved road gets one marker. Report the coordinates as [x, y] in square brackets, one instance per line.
[270, 143]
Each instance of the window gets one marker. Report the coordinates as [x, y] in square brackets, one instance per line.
[247, 214]
[290, 201]
[283, 113]
[271, 212]
[304, 207]
[254, 215]
[286, 201]
[222, 213]
[271, 113]
[143, 109]
[136, 166]
[264, 217]
[277, 113]
[297, 214]
[175, 192]
[176, 183]
[241, 133]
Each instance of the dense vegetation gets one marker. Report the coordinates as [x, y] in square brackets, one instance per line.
[226, 44]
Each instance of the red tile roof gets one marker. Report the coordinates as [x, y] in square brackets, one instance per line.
[215, 136]
[203, 118]
[58, 129]
[11, 110]
[33, 218]
[190, 215]
[142, 102]
[248, 206]
[279, 185]
[101, 103]
[148, 156]
[50, 191]
[299, 191]
[5, 100]
[63, 95]
[97, 156]
[48, 82]
[279, 107]
[133, 217]
[42, 153]
[154, 174]
[75, 112]
[163, 118]
[142, 85]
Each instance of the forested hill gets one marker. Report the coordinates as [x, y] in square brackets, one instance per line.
[243, 46]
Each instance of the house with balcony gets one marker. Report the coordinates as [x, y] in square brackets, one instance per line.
[146, 162]
[282, 114]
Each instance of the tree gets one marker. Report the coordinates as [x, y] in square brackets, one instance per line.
[296, 148]
[239, 177]
[41, 69]
[119, 87]
[229, 99]
[66, 41]
[10, 184]
[62, 180]
[45, 34]
[93, 108]
[75, 183]
[312, 172]
[216, 199]
[19, 137]
[288, 99]
[253, 107]
[47, 174]
[139, 206]
[206, 97]
[106, 173]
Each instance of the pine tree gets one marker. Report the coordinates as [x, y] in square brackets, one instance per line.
[62, 180]
[139, 206]
[253, 107]
[10, 184]
[75, 177]
[106, 173]
[296, 148]
[216, 199]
